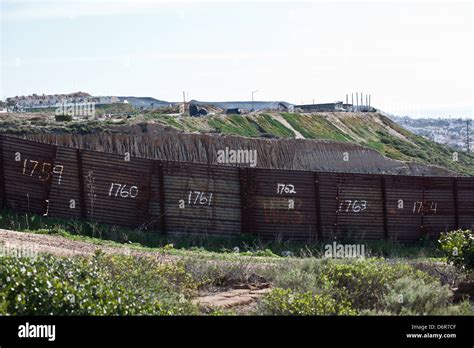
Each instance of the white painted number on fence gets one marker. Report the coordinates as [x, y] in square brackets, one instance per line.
[285, 188]
[42, 170]
[199, 198]
[425, 207]
[355, 206]
[123, 190]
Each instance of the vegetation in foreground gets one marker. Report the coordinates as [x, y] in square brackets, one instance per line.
[459, 248]
[359, 287]
[113, 285]
[131, 285]
[302, 284]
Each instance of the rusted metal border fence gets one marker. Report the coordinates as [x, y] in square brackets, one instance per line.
[172, 197]
[2, 178]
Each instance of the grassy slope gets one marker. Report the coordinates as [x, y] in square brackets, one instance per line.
[315, 127]
[378, 135]
[374, 131]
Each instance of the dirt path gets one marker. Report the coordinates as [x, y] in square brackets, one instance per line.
[280, 119]
[24, 242]
[237, 298]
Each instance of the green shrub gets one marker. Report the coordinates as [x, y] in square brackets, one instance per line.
[288, 302]
[264, 253]
[221, 274]
[442, 271]
[412, 296]
[363, 282]
[147, 274]
[87, 286]
[463, 308]
[63, 118]
[302, 276]
[459, 247]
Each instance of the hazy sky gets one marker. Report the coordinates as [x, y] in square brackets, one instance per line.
[414, 58]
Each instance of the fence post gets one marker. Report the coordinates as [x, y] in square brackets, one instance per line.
[455, 199]
[148, 218]
[336, 217]
[384, 207]
[80, 175]
[3, 192]
[244, 185]
[422, 232]
[161, 183]
[319, 232]
[49, 182]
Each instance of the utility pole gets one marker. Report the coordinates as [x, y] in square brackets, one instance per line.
[468, 140]
[347, 99]
[184, 102]
[357, 101]
[253, 92]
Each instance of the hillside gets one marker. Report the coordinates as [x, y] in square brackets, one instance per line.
[450, 131]
[371, 130]
[370, 135]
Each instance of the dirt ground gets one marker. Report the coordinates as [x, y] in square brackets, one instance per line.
[12, 241]
[242, 298]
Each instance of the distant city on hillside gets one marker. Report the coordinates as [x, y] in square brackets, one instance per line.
[453, 132]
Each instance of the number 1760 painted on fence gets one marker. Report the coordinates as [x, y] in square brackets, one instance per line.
[121, 190]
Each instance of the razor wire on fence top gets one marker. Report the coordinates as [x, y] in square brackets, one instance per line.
[178, 197]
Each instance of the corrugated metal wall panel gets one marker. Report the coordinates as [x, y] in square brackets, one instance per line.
[439, 209]
[403, 208]
[116, 191]
[27, 170]
[65, 197]
[281, 204]
[354, 205]
[174, 197]
[465, 195]
[202, 199]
